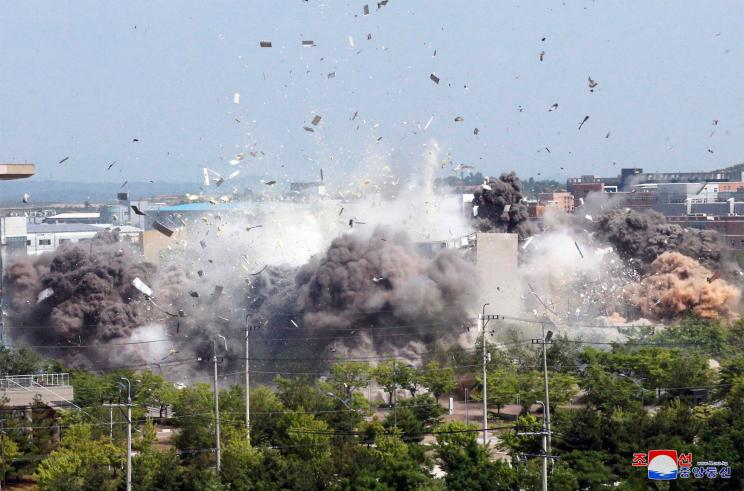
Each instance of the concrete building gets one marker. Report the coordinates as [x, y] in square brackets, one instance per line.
[560, 200]
[496, 258]
[76, 217]
[16, 171]
[52, 389]
[47, 237]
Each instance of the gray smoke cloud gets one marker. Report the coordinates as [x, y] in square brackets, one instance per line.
[381, 280]
[358, 284]
[92, 302]
[641, 237]
[500, 206]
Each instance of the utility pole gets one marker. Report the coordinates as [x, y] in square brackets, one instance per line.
[217, 403]
[111, 406]
[248, 330]
[546, 339]
[482, 321]
[129, 433]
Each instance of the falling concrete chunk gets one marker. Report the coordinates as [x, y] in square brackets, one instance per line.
[332, 75]
[44, 294]
[236, 98]
[316, 120]
[219, 182]
[527, 242]
[137, 210]
[309, 129]
[351, 44]
[217, 292]
[270, 183]
[434, 78]
[64, 160]
[476, 131]
[366, 10]
[141, 286]
[265, 44]
[194, 294]
[26, 197]
[308, 43]
[233, 174]
[206, 176]
[293, 322]
[459, 119]
[586, 118]
[162, 228]
[203, 244]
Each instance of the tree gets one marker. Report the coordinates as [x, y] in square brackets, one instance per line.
[10, 453]
[468, 464]
[349, 376]
[153, 469]
[240, 462]
[502, 387]
[82, 463]
[437, 379]
[386, 375]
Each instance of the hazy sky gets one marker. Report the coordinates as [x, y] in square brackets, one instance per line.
[83, 79]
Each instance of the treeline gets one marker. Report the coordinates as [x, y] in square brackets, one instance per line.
[681, 388]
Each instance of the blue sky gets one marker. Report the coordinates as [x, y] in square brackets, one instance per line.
[78, 79]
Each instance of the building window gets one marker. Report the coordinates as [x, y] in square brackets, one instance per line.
[63, 241]
[28, 242]
[43, 242]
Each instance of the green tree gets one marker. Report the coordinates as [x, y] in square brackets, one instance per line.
[387, 376]
[153, 469]
[81, 463]
[349, 376]
[468, 464]
[437, 379]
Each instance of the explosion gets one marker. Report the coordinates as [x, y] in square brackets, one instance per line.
[640, 237]
[498, 207]
[679, 285]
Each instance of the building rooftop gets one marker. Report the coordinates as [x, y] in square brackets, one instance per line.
[16, 171]
[48, 228]
[73, 215]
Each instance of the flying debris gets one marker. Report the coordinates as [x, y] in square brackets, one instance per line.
[44, 294]
[124, 184]
[260, 271]
[236, 98]
[542, 55]
[64, 160]
[308, 44]
[553, 107]
[111, 165]
[607, 135]
[355, 115]
[203, 244]
[351, 41]
[141, 286]
[579, 249]
[162, 228]
[331, 75]
[316, 120]
[366, 10]
[270, 183]
[26, 197]
[307, 128]
[592, 84]
[527, 242]
[426, 126]
[459, 119]
[476, 131]
[265, 44]
[586, 118]
[248, 229]
[434, 78]
[137, 210]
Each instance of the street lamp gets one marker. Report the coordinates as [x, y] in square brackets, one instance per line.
[545, 447]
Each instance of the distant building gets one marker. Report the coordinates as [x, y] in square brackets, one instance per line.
[76, 217]
[561, 200]
[580, 190]
[47, 237]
